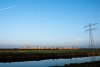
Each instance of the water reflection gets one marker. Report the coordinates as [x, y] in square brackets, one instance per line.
[51, 62]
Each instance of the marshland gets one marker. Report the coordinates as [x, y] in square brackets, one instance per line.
[14, 55]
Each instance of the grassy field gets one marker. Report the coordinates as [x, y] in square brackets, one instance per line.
[31, 54]
[46, 51]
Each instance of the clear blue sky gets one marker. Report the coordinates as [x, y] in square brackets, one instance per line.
[48, 22]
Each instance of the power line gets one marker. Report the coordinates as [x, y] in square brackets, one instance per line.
[91, 39]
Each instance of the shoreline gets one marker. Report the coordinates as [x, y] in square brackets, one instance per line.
[86, 64]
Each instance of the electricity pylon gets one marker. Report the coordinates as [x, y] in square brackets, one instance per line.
[91, 39]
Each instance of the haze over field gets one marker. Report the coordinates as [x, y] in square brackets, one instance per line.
[48, 22]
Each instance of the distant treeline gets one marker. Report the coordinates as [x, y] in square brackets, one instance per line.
[49, 48]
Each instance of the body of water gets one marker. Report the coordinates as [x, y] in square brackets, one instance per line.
[50, 62]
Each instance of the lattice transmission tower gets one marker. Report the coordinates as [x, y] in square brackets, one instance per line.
[91, 39]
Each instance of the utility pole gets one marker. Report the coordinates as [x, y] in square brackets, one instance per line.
[91, 39]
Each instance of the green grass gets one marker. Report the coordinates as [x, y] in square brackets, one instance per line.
[30, 51]
[10, 55]
[49, 51]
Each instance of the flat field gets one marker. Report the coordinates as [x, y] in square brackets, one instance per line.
[9, 55]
